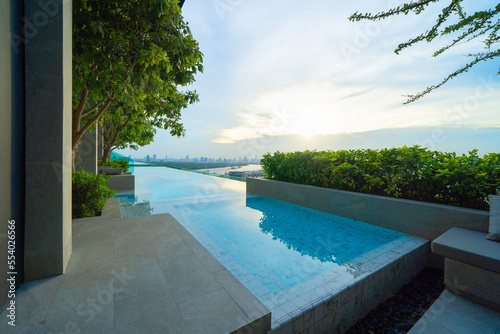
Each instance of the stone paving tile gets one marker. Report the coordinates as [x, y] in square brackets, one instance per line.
[33, 300]
[187, 277]
[252, 307]
[83, 259]
[83, 303]
[154, 312]
[215, 310]
[168, 245]
[142, 277]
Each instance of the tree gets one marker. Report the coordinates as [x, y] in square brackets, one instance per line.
[124, 128]
[121, 129]
[484, 24]
[134, 52]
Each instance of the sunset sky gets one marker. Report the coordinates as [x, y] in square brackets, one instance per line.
[294, 75]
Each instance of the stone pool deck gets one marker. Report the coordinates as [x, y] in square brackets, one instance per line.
[137, 275]
[451, 314]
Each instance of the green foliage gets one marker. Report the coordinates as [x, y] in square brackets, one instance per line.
[122, 163]
[408, 172]
[484, 25]
[90, 194]
[136, 57]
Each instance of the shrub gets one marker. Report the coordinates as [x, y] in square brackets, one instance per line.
[90, 194]
[122, 163]
[407, 172]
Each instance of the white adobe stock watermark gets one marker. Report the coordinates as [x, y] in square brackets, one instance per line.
[224, 6]
[48, 9]
[280, 118]
[364, 36]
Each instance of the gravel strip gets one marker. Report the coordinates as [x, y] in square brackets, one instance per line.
[402, 310]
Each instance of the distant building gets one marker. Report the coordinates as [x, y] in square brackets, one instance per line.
[147, 157]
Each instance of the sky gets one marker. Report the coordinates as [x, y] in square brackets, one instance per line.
[292, 75]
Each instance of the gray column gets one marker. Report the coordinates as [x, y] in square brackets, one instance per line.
[48, 138]
[86, 154]
[5, 148]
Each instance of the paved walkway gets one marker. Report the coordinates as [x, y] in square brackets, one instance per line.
[451, 314]
[137, 275]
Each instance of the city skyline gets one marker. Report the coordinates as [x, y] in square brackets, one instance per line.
[187, 158]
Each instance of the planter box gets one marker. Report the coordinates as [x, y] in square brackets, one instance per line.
[121, 182]
[107, 170]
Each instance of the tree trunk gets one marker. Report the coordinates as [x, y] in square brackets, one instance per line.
[77, 130]
[106, 154]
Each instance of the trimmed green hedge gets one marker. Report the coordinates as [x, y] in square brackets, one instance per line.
[90, 194]
[408, 172]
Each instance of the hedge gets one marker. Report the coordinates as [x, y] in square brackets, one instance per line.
[408, 172]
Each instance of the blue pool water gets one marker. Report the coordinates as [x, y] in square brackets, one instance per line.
[281, 244]
[159, 183]
[278, 244]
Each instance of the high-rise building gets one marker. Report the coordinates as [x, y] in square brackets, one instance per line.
[154, 157]
[187, 157]
[147, 157]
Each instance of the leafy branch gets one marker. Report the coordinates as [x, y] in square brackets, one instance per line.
[483, 23]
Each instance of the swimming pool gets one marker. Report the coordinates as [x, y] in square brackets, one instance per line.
[290, 257]
[160, 183]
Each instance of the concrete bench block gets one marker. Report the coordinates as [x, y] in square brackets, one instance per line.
[472, 265]
[469, 247]
[121, 182]
[476, 284]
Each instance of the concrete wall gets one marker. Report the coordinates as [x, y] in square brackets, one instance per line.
[5, 144]
[67, 82]
[121, 182]
[421, 219]
[48, 139]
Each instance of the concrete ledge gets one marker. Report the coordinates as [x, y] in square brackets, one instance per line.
[112, 209]
[451, 314]
[425, 220]
[121, 182]
[473, 283]
[469, 247]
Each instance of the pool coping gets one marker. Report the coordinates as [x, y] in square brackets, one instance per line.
[257, 312]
